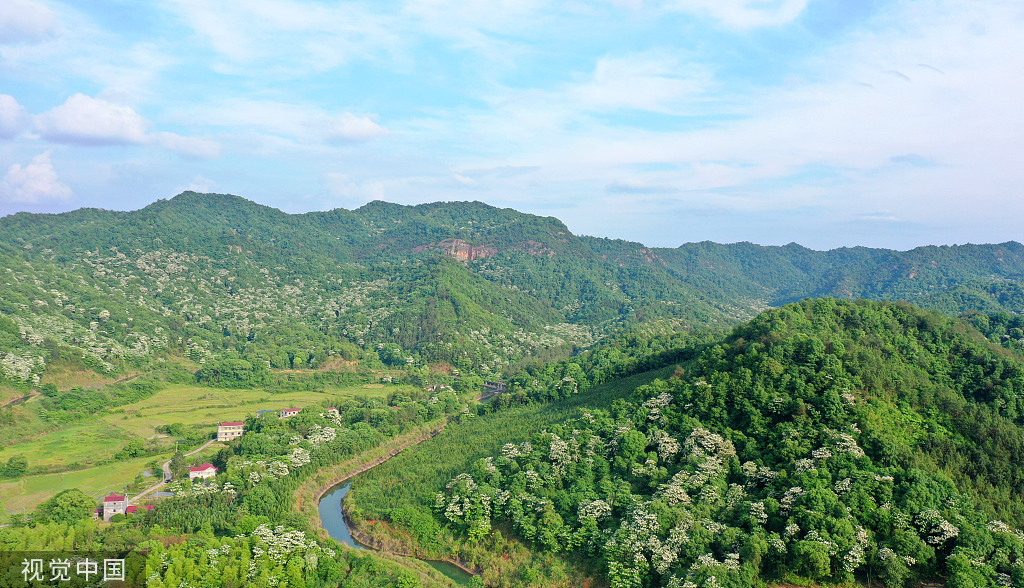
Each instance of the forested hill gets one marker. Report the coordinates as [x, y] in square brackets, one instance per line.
[822, 443]
[476, 286]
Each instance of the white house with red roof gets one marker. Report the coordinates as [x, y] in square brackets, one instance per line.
[289, 412]
[114, 504]
[229, 431]
[133, 509]
[332, 410]
[207, 470]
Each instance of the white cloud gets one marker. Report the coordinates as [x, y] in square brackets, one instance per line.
[743, 14]
[83, 120]
[250, 34]
[12, 117]
[651, 82]
[302, 123]
[34, 182]
[91, 121]
[188, 146]
[199, 184]
[835, 138]
[349, 127]
[352, 192]
[25, 21]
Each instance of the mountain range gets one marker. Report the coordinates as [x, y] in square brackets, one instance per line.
[464, 283]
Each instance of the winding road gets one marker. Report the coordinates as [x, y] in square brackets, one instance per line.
[167, 473]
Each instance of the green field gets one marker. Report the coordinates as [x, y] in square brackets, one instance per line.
[195, 405]
[97, 439]
[24, 494]
[82, 443]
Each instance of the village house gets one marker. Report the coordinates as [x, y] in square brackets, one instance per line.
[229, 431]
[114, 504]
[332, 410]
[207, 470]
[133, 509]
[289, 412]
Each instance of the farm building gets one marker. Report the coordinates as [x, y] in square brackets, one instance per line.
[207, 470]
[114, 504]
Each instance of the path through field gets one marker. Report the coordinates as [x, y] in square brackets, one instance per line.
[167, 473]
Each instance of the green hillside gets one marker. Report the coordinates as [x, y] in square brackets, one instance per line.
[822, 442]
[210, 276]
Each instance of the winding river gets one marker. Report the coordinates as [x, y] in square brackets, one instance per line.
[332, 517]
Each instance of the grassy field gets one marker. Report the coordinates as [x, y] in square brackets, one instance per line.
[82, 443]
[98, 439]
[26, 493]
[195, 405]
[9, 392]
[67, 378]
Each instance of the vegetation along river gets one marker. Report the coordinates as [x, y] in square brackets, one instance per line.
[333, 519]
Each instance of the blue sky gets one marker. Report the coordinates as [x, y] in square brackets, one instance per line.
[888, 123]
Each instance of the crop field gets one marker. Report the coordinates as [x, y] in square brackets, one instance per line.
[196, 405]
[97, 439]
[26, 493]
[80, 443]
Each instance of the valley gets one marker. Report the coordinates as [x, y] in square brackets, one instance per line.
[710, 415]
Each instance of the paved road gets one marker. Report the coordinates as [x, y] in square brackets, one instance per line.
[167, 473]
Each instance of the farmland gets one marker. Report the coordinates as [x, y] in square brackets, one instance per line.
[25, 493]
[196, 405]
[82, 455]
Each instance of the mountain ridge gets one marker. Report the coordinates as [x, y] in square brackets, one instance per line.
[375, 206]
[466, 283]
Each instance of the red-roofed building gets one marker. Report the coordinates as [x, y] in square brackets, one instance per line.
[207, 470]
[289, 412]
[333, 410]
[132, 509]
[229, 431]
[114, 504]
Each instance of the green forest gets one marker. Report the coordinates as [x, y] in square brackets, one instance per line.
[209, 276]
[821, 442]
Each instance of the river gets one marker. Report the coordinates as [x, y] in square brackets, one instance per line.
[333, 519]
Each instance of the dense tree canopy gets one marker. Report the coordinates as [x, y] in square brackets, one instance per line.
[826, 441]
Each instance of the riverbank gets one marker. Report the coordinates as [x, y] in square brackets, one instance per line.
[343, 529]
[367, 540]
[306, 497]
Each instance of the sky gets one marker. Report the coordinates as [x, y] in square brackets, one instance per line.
[884, 123]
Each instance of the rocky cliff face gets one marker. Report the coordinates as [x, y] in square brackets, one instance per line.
[459, 249]
[463, 251]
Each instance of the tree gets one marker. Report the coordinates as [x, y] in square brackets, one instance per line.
[66, 507]
[469, 384]
[16, 466]
[178, 465]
